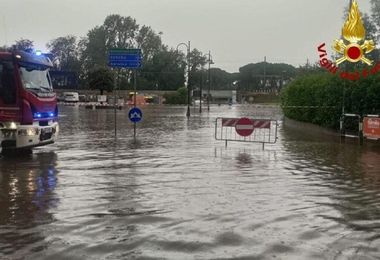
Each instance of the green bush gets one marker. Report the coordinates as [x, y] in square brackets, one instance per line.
[178, 98]
[318, 98]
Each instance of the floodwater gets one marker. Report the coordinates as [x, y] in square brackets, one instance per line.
[177, 193]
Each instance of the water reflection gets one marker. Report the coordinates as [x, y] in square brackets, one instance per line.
[344, 182]
[27, 195]
[177, 193]
[244, 159]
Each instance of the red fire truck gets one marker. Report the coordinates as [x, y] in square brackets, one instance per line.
[28, 105]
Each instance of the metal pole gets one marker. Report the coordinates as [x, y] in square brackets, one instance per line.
[134, 102]
[114, 103]
[200, 94]
[341, 123]
[361, 136]
[344, 93]
[188, 81]
[209, 81]
[265, 72]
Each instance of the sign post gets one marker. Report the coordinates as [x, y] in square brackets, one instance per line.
[130, 59]
[135, 115]
[134, 102]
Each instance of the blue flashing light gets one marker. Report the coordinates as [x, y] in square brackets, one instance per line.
[37, 115]
[44, 114]
[38, 53]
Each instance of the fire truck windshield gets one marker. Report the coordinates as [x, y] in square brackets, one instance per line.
[36, 80]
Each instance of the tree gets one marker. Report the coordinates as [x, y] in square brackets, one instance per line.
[375, 10]
[149, 42]
[264, 75]
[371, 34]
[221, 79]
[197, 62]
[65, 51]
[24, 44]
[119, 32]
[94, 49]
[101, 79]
[165, 71]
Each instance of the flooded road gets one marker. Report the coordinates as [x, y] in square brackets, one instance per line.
[179, 194]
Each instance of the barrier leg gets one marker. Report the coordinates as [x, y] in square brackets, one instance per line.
[342, 132]
[361, 138]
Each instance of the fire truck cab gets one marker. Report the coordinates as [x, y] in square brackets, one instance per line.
[28, 105]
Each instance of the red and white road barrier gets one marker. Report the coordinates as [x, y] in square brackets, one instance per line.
[246, 130]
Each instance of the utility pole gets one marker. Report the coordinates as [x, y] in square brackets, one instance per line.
[188, 81]
[265, 71]
[200, 94]
[116, 82]
[209, 80]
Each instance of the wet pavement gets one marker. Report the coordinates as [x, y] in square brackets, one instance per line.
[177, 193]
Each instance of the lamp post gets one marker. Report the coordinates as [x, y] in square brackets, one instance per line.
[187, 76]
[209, 79]
[200, 93]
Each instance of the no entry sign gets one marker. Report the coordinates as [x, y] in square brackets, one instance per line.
[244, 127]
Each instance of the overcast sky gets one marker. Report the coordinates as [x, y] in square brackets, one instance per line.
[237, 32]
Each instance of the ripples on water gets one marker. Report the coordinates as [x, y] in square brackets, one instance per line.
[179, 194]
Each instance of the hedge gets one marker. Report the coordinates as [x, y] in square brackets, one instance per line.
[318, 98]
[179, 97]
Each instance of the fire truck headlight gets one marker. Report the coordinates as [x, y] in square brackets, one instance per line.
[10, 125]
[28, 132]
[32, 131]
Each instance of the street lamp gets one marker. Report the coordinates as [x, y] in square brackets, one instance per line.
[187, 76]
[209, 79]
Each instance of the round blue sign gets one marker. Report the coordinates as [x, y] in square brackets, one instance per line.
[135, 115]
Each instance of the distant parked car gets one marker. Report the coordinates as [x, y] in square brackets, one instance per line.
[60, 98]
[70, 97]
[83, 98]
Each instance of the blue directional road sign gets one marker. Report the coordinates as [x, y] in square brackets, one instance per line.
[125, 58]
[135, 115]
